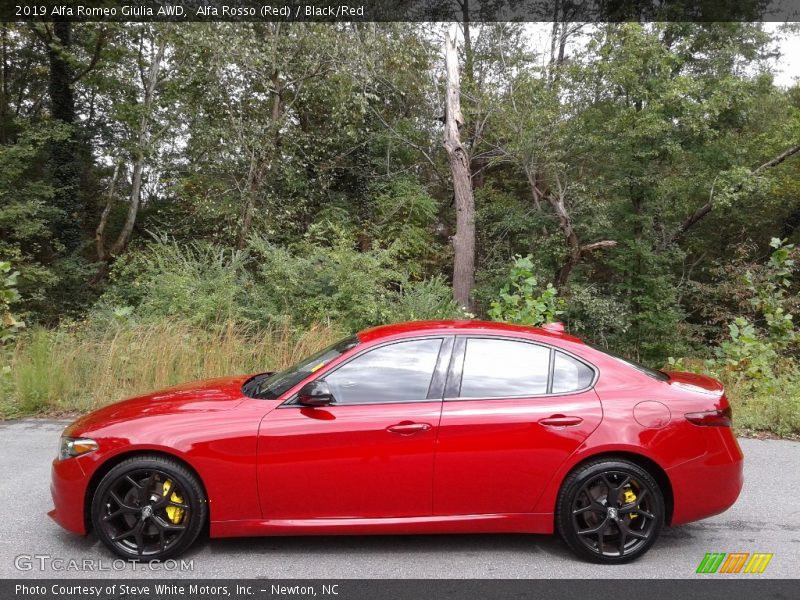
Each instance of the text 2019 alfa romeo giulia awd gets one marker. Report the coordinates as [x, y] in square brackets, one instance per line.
[426, 427]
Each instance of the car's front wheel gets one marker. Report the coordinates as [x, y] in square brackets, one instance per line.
[149, 507]
[610, 511]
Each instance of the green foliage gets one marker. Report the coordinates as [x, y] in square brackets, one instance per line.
[312, 282]
[760, 347]
[429, 299]
[266, 284]
[647, 289]
[596, 315]
[758, 363]
[201, 283]
[324, 139]
[9, 326]
[404, 215]
[520, 300]
[85, 365]
[28, 217]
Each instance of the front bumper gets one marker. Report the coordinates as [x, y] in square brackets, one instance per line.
[68, 488]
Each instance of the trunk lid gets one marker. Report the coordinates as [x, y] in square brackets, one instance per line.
[696, 382]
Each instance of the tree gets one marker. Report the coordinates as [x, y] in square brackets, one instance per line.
[464, 239]
[142, 140]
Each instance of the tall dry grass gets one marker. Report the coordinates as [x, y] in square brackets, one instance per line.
[78, 370]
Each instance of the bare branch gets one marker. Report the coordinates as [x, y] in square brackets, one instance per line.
[706, 208]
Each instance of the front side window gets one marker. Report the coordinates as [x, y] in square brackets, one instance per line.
[398, 372]
[495, 368]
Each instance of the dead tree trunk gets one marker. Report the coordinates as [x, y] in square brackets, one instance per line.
[464, 239]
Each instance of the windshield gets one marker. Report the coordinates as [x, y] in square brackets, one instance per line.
[271, 385]
[660, 375]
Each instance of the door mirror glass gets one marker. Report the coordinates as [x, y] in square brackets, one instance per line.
[315, 393]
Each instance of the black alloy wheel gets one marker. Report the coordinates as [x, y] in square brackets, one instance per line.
[149, 507]
[610, 511]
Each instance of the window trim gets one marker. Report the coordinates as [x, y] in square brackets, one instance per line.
[458, 372]
[442, 364]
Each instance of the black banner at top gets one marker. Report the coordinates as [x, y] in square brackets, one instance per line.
[400, 10]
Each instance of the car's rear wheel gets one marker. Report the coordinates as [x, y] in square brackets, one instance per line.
[149, 508]
[610, 511]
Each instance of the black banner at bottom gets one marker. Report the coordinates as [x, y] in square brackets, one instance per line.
[396, 589]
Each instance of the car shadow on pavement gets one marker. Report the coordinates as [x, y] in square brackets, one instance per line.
[374, 545]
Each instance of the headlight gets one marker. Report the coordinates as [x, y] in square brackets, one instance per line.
[71, 447]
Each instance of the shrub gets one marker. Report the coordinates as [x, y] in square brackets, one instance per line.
[521, 302]
[198, 282]
[768, 340]
[424, 300]
[9, 325]
[312, 282]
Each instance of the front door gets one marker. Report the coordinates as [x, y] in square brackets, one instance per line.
[370, 453]
[513, 412]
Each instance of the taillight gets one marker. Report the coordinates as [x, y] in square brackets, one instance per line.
[712, 418]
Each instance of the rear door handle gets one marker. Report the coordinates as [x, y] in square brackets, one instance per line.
[408, 428]
[560, 421]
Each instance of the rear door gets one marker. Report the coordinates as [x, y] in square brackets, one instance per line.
[514, 410]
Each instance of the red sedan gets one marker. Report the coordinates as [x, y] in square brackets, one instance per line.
[426, 427]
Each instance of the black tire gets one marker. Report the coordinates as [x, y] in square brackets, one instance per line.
[149, 508]
[610, 511]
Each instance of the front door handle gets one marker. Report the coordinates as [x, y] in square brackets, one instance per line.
[408, 428]
[560, 421]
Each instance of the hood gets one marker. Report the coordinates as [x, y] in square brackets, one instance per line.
[208, 395]
[696, 382]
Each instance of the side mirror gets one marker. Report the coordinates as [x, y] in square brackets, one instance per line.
[315, 393]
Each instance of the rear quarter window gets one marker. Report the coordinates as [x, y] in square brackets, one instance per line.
[570, 374]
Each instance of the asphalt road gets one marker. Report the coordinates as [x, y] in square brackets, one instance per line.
[766, 518]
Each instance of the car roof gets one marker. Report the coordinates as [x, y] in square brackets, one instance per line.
[553, 331]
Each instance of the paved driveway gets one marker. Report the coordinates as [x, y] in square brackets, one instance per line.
[765, 519]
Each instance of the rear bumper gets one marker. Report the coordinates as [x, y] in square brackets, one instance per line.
[710, 484]
[68, 488]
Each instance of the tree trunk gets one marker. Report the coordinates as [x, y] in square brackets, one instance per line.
[257, 162]
[253, 185]
[5, 116]
[142, 143]
[100, 232]
[464, 239]
[571, 238]
[575, 251]
[63, 153]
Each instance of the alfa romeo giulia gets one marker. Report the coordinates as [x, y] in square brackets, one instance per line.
[422, 427]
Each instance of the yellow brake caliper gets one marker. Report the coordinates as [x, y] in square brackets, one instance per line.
[175, 513]
[630, 498]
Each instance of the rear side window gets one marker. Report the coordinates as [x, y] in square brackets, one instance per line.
[569, 374]
[496, 368]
